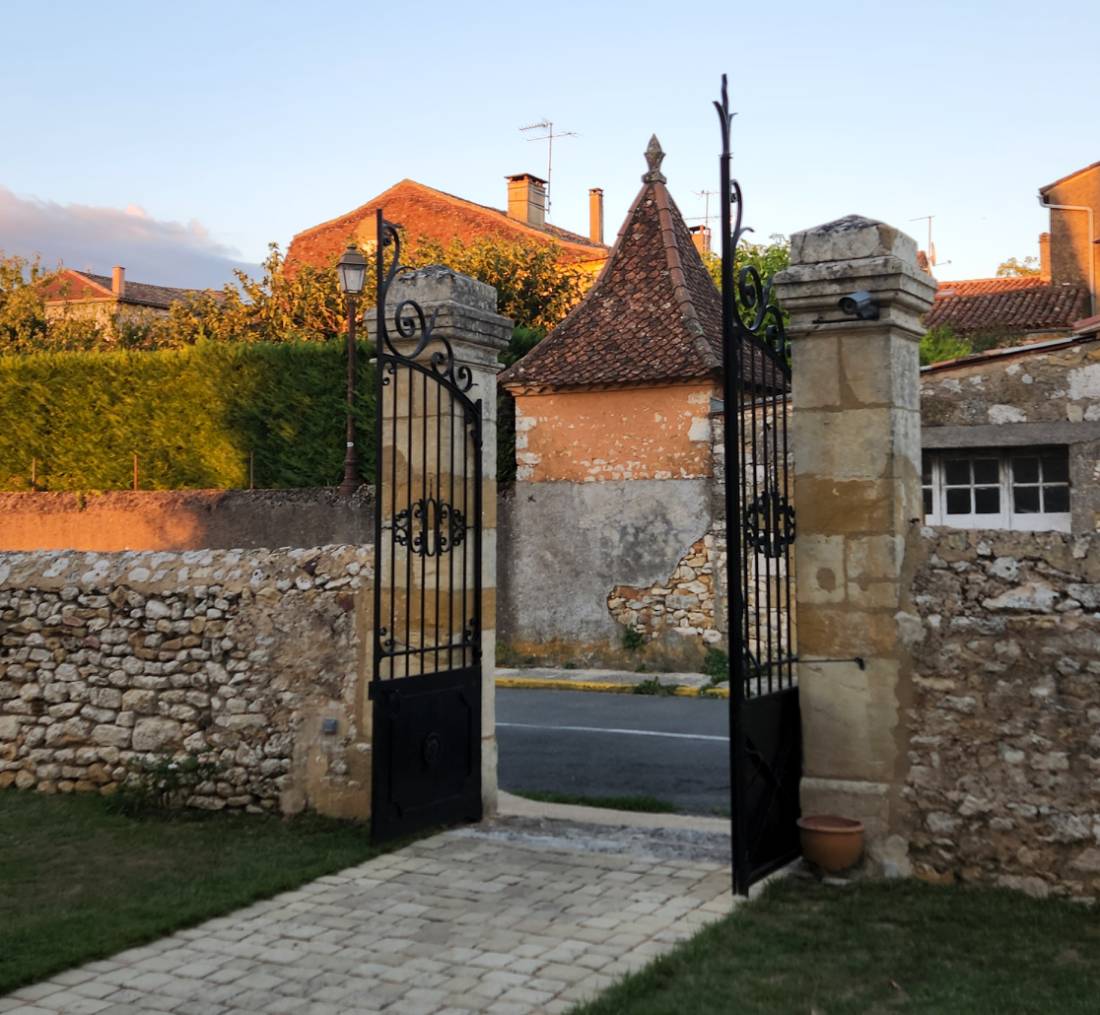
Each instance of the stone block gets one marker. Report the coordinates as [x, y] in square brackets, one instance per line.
[155, 734]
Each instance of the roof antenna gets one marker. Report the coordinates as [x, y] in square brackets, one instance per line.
[930, 250]
[706, 195]
[548, 137]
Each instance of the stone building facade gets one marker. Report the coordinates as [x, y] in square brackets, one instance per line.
[1011, 438]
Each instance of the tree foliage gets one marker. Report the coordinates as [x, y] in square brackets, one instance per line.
[767, 258]
[1013, 267]
[941, 343]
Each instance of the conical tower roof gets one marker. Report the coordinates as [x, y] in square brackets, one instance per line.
[653, 316]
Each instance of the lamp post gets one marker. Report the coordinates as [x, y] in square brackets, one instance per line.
[352, 268]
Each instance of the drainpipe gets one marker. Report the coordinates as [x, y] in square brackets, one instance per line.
[1092, 240]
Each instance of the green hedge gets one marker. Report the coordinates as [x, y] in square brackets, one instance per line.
[193, 416]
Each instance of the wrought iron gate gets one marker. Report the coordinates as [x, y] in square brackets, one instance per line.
[765, 727]
[426, 684]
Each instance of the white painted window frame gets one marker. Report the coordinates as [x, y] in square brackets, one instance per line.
[1007, 517]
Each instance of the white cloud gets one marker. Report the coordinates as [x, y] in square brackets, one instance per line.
[95, 239]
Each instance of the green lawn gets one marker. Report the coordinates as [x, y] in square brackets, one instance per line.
[78, 882]
[878, 947]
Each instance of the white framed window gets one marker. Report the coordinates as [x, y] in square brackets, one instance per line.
[997, 488]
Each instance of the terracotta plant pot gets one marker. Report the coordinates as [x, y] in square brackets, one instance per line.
[833, 844]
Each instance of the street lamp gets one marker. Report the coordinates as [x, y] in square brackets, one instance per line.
[352, 268]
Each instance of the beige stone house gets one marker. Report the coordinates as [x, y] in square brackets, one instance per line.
[84, 295]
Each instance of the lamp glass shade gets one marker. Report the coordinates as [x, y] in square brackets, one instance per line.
[352, 267]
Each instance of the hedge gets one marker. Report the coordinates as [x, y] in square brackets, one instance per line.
[193, 416]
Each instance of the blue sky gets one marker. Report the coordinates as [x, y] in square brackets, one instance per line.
[222, 126]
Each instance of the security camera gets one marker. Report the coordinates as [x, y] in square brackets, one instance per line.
[859, 304]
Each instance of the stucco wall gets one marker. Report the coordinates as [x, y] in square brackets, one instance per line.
[234, 657]
[565, 547]
[630, 433]
[1003, 781]
[1071, 246]
[183, 519]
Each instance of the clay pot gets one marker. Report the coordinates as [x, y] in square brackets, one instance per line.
[833, 844]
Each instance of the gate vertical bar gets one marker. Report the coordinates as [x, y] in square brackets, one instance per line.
[731, 391]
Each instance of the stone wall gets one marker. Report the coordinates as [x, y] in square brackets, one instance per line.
[1003, 779]
[252, 659]
[183, 519]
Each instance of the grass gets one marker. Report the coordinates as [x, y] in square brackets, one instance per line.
[880, 947]
[647, 804]
[78, 882]
[653, 686]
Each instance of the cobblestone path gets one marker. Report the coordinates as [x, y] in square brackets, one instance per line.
[516, 916]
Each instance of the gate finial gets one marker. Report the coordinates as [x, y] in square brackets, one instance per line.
[654, 156]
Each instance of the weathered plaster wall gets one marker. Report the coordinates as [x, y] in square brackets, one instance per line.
[235, 657]
[629, 433]
[1003, 780]
[1037, 398]
[183, 519]
[565, 547]
[1071, 246]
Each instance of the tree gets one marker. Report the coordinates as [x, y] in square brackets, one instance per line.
[767, 258]
[1013, 267]
[22, 311]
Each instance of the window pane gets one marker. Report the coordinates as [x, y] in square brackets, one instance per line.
[1025, 469]
[987, 500]
[1056, 498]
[956, 472]
[958, 502]
[1056, 467]
[1026, 499]
[985, 470]
[926, 469]
[927, 501]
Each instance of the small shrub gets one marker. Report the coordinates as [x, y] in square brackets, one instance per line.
[633, 639]
[654, 687]
[716, 665]
[161, 783]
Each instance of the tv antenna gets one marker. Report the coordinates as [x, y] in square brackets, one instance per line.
[930, 250]
[706, 195]
[548, 137]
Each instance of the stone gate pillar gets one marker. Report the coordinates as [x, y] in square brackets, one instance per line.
[856, 438]
[466, 315]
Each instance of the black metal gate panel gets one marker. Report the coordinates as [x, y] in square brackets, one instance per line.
[426, 682]
[765, 725]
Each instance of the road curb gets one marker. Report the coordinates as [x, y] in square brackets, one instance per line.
[552, 684]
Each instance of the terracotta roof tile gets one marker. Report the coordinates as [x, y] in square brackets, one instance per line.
[435, 215]
[985, 286]
[1018, 308]
[653, 315]
[141, 294]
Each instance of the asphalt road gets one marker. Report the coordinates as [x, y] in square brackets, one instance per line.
[675, 749]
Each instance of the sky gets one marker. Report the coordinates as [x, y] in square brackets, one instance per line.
[181, 139]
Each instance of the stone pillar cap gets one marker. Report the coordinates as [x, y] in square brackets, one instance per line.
[851, 238]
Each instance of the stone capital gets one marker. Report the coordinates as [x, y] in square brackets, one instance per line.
[465, 312]
[851, 254]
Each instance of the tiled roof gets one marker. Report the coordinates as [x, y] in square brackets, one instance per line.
[435, 215]
[1016, 308]
[986, 286]
[653, 316]
[74, 285]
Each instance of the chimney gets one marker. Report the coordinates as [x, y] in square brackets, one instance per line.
[700, 236]
[118, 281]
[527, 199]
[595, 215]
[1044, 257]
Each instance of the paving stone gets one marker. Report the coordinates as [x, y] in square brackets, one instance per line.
[484, 919]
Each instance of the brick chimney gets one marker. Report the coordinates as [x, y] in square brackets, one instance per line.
[118, 281]
[595, 215]
[1044, 257]
[700, 236]
[527, 199]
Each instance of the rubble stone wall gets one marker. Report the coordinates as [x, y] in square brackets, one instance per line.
[250, 659]
[1003, 779]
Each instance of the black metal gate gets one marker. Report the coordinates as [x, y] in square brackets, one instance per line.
[426, 684]
[765, 727]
